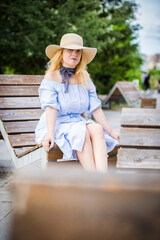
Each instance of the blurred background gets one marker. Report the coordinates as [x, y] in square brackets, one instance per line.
[126, 34]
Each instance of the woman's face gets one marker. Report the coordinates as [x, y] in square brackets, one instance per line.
[71, 57]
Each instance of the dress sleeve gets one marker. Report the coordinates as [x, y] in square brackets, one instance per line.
[94, 102]
[48, 95]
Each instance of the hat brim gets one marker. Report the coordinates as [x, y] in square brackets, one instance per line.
[89, 52]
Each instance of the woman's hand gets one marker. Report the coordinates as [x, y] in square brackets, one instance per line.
[101, 119]
[115, 135]
[48, 143]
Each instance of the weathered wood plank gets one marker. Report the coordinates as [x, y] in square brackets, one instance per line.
[148, 102]
[140, 137]
[140, 117]
[23, 114]
[112, 161]
[140, 147]
[113, 152]
[21, 150]
[138, 158]
[19, 102]
[20, 127]
[18, 91]
[20, 79]
[72, 204]
[25, 150]
[54, 154]
[22, 140]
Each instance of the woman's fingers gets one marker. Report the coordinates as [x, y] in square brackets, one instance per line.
[48, 144]
[115, 135]
[52, 144]
[45, 143]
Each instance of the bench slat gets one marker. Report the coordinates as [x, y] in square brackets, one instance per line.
[16, 115]
[140, 117]
[140, 137]
[20, 79]
[21, 150]
[24, 150]
[20, 127]
[22, 140]
[19, 102]
[19, 91]
[138, 158]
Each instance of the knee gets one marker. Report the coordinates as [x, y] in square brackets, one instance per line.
[87, 136]
[95, 129]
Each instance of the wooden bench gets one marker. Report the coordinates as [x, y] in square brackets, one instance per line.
[19, 114]
[139, 139]
[128, 91]
[148, 102]
[123, 90]
[72, 204]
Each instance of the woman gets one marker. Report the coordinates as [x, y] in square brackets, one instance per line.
[66, 92]
[147, 82]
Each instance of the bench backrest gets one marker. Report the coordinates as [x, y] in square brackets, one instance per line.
[20, 109]
[148, 102]
[139, 138]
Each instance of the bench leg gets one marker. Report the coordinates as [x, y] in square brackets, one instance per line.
[44, 159]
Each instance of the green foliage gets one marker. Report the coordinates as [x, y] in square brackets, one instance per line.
[155, 76]
[119, 59]
[28, 26]
[25, 31]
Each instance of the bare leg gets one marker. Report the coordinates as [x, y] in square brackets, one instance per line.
[86, 157]
[98, 146]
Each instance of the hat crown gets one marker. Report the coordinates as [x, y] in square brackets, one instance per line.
[71, 39]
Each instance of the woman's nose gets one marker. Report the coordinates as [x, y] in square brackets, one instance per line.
[74, 52]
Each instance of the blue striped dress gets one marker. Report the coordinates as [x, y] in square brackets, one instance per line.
[70, 128]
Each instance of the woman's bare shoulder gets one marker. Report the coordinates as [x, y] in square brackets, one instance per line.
[53, 76]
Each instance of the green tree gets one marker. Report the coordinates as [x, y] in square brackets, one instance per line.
[29, 26]
[26, 28]
[119, 59]
[154, 77]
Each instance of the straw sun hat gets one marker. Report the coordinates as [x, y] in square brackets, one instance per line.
[71, 41]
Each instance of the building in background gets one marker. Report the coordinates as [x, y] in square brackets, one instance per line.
[150, 62]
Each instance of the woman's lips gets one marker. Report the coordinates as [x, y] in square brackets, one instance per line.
[74, 58]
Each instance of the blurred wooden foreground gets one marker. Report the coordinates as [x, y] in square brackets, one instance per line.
[69, 203]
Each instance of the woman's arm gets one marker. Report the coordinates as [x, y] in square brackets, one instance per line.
[101, 119]
[48, 141]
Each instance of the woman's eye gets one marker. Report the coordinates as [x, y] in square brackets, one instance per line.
[78, 50]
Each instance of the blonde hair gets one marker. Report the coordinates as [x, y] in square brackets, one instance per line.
[81, 73]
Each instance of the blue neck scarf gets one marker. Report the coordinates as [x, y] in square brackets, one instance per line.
[66, 74]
